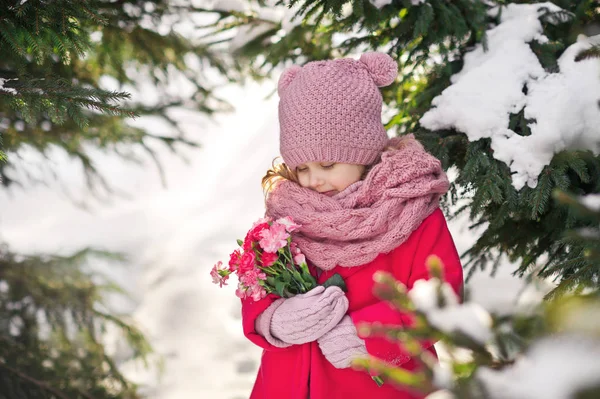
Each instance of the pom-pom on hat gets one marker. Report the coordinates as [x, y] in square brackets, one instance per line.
[330, 111]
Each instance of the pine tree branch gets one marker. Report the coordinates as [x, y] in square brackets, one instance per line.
[43, 385]
[592, 52]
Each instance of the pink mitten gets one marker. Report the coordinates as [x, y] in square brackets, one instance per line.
[302, 318]
[342, 344]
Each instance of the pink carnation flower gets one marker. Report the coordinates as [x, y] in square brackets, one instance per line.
[274, 238]
[252, 277]
[254, 233]
[261, 221]
[252, 281]
[240, 292]
[289, 224]
[294, 248]
[234, 260]
[258, 293]
[247, 262]
[299, 259]
[219, 274]
[268, 259]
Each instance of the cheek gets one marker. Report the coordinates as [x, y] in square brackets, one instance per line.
[353, 180]
[303, 180]
[347, 179]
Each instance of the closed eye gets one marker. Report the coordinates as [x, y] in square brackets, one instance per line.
[328, 166]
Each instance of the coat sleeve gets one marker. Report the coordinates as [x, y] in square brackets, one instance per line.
[250, 311]
[431, 238]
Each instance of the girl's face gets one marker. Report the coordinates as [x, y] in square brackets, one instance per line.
[328, 178]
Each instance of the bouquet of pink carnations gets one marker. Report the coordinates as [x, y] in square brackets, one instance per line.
[268, 261]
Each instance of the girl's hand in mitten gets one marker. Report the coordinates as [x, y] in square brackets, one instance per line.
[342, 344]
[302, 318]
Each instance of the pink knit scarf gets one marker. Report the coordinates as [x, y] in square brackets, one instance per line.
[372, 216]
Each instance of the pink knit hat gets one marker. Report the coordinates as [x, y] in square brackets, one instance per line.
[330, 111]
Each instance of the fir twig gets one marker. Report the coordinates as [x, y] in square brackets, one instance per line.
[43, 385]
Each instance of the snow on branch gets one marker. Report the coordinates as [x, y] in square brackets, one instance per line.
[469, 318]
[592, 201]
[563, 106]
[7, 89]
[572, 360]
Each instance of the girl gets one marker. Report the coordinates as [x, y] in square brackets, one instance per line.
[365, 203]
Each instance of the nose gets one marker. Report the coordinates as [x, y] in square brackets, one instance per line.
[316, 180]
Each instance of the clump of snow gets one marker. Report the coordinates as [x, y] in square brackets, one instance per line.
[592, 201]
[490, 85]
[441, 394]
[470, 318]
[490, 88]
[572, 359]
[6, 89]
[229, 5]
[442, 376]
[565, 107]
[381, 3]
[424, 294]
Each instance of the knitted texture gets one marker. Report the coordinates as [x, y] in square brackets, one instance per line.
[371, 216]
[302, 318]
[342, 344]
[263, 324]
[330, 111]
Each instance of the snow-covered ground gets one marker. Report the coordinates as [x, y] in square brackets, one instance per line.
[173, 237]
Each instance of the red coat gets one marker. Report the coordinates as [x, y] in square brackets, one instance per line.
[301, 370]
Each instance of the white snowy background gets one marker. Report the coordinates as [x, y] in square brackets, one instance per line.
[173, 235]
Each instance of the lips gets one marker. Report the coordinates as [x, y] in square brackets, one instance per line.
[330, 193]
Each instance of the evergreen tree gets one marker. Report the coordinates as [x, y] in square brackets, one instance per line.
[430, 39]
[52, 322]
[53, 55]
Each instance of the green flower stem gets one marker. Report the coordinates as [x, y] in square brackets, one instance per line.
[378, 380]
[304, 267]
[270, 270]
[313, 280]
[301, 286]
[285, 253]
